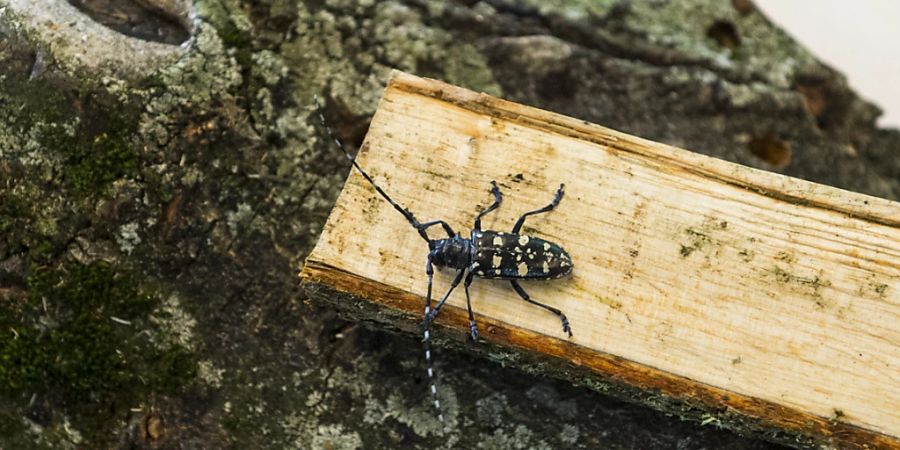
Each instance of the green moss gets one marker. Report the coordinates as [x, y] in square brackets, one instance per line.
[85, 152]
[466, 66]
[100, 152]
[107, 157]
[239, 41]
[10, 424]
[13, 211]
[39, 101]
[77, 341]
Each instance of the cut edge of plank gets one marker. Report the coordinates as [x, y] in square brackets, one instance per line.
[782, 187]
[607, 373]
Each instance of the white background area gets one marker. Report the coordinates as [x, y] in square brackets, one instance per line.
[861, 39]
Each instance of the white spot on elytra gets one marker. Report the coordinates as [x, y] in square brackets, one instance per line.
[498, 241]
[523, 240]
[546, 267]
[546, 246]
[523, 269]
[496, 261]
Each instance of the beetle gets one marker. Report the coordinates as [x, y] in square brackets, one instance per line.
[485, 253]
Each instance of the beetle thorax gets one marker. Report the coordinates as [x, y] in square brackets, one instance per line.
[455, 252]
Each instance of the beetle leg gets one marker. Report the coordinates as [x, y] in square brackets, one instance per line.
[527, 298]
[548, 208]
[429, 271]
[498, 197]
[437, 308]
[424, 226]
[473, 327]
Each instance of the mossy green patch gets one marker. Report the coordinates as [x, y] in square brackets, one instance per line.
[38, 101]
[83, 340]
[239, 41]
[12, 210]
[58, 140]
[100, 152]
[20, 224]
[103, 159]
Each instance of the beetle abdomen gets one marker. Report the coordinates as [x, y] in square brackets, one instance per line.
[517, 256]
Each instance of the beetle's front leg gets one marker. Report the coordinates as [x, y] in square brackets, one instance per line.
[437, 308]
[473, 327]
[498, 197]
[429, 272]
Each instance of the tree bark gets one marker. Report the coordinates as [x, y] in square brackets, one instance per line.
[155, 207]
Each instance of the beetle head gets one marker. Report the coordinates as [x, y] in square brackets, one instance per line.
[452, 252]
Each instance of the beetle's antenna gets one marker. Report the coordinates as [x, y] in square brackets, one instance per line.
[429, 270]
[430, 315]
[406, 213]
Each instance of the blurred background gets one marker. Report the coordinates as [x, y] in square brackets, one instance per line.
[861, 40]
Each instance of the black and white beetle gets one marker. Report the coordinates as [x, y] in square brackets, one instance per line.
[486, 254]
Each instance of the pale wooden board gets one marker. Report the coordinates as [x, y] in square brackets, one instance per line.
[762, 285]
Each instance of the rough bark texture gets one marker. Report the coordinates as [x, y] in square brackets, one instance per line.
[151, 227]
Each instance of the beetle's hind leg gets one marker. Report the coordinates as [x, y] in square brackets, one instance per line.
[548, 208]
[498, 197]
[562, 317]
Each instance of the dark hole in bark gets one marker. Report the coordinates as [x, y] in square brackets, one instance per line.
[825, 101]
[771, 150]
[136, 18]
[724, 33]
[814, 98]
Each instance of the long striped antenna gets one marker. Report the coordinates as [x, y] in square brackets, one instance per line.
[429, 270]
[429, 316]
[421, 228]
[406, 213]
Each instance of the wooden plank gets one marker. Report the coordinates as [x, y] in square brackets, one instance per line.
[761, 301]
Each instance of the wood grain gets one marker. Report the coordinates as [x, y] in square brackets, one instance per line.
[753, 297]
